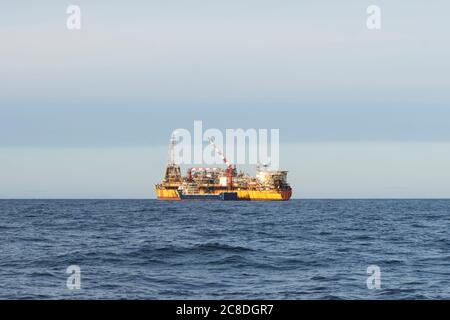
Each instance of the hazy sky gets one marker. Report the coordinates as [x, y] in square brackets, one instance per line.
[88, 113]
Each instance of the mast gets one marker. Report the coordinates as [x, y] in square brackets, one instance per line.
[173, 173]
[172, 144]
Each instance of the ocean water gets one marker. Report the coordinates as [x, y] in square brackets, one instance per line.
[149, 249]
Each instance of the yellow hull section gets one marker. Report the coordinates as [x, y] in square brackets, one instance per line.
[167, 194]
[263, 195]
[249, 195]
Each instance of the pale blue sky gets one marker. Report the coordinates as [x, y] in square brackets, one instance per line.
[361, 113]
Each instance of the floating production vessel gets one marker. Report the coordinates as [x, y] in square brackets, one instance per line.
[221, 183]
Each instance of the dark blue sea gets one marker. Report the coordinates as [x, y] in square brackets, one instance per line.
[149, 249]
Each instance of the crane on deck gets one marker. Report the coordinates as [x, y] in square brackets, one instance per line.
[230, 168]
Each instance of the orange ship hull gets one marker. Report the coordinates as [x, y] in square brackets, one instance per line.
[248, 195]
[166, 194]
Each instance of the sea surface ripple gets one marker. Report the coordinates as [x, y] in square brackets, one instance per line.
[300, 249]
